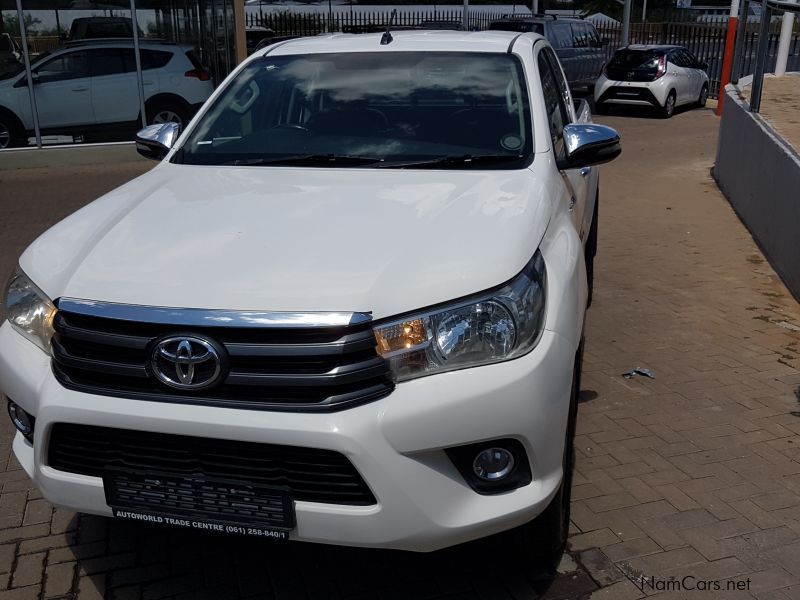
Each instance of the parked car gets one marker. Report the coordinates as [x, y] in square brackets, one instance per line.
[84, 28]
[576, 42]
[661, 76]
[441, 25]
[346, 307]
[255, 34]
[10, 53]
[84, 87]
[270, 40]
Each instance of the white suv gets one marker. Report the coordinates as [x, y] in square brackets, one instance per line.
[84, 87]
[346, 307]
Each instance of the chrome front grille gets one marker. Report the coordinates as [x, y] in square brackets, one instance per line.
[267, 363]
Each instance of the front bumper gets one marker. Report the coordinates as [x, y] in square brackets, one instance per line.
[397, 443]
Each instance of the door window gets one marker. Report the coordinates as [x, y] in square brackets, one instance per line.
[151, 59]
[678, 58]
[691, 60]
[73, 65]
[561, 81]
[580, 35]
[553, 102]
[593, 38]
[106, 61]
[561, 35]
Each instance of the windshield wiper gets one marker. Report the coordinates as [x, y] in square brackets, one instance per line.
[463, 160]
[320, 160]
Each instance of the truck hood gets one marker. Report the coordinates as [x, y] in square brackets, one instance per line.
[294, 239]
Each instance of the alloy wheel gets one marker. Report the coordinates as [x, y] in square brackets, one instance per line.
[166, 116]
[5, 136]
[669, 105]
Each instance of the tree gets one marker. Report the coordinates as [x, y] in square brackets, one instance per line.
[11, 23]
[612, 8]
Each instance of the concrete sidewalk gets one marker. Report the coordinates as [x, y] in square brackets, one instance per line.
[692, 473]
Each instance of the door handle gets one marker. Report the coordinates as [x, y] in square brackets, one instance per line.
[80, 89]
[585, 171]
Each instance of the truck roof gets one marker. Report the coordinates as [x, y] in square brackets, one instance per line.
[403, 41]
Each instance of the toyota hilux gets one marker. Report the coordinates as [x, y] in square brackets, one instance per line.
[346, 306]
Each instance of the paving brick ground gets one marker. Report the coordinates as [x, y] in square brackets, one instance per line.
[693, 473]
[780, 105]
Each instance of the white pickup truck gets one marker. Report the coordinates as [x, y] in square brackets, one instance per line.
[347, 305]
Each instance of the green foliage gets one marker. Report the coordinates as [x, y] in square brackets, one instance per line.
[11, 23]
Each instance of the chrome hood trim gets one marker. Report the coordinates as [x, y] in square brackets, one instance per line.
[197, 317]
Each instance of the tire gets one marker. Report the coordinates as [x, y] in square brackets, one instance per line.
[669, 105]
[701, 101]
[11, 134]
[544, 539]
[167, 111]
[591, 250]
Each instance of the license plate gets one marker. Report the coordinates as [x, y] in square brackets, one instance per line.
[200, 503]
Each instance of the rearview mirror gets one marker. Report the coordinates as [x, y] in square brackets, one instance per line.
[155, 141]
[588, 144]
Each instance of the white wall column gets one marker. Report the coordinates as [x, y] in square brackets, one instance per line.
[783, 43]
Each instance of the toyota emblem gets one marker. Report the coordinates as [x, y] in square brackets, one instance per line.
[187, 362]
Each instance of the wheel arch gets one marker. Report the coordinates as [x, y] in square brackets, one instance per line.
[10, 114]
[166, 97]
[18, 127]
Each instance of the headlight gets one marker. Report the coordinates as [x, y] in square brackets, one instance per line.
[29, 310]
[487, 328]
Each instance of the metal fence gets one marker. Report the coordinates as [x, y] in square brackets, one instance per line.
[765, 54]
[298, 23]
[704, 40]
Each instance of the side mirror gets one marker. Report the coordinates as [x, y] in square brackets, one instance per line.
[155, 141]
[588, 144]
[23, 81]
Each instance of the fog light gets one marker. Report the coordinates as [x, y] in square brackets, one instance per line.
[493, 464]
[22, 420]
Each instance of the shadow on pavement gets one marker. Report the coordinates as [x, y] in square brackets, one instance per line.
[134, 560]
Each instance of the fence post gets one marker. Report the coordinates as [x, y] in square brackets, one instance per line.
[784, 42]
[626, 23]
[727, 58]
[761, 58]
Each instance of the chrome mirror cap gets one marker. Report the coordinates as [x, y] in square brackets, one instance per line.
[155, 141]
[587, 144]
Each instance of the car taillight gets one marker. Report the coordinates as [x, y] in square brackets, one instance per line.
[200, 74]
[662, 66]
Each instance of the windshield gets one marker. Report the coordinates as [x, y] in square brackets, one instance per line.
[386, 109]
